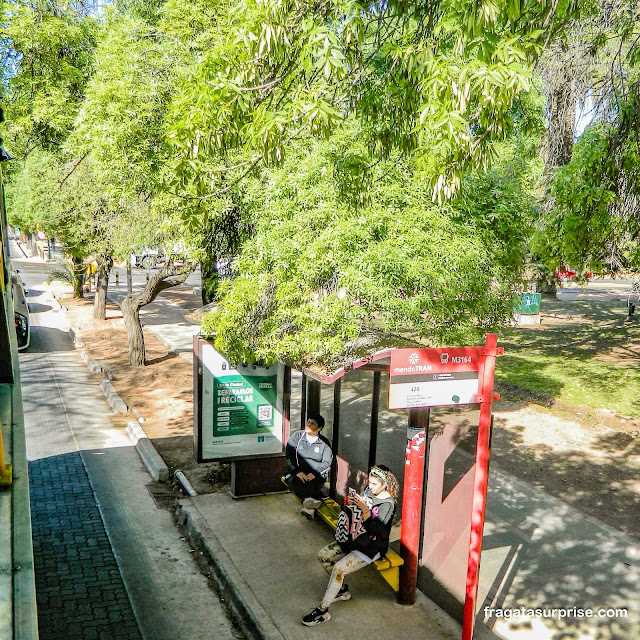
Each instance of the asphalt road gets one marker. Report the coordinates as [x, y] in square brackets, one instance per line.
[110, 562]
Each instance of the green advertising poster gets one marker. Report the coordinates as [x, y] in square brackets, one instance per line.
[244, 405]
[241, 408]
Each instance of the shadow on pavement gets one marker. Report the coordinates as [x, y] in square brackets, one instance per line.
[47, 339]
[36, 307]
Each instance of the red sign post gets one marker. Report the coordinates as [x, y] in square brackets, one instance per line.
[412, 499]
[485, 398]
[421, 378]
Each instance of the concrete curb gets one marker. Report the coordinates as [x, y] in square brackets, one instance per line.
[156, 466]
[151, 458]
[253, 618]
[55, 303]
[115, 401]
[95, 366]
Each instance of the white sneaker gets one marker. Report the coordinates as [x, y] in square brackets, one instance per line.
[311, 503]
[308, 513]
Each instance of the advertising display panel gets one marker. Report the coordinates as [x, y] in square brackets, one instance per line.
[241, 408]
[433, 377]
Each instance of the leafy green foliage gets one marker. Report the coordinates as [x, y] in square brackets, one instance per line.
[320, 274]
[595, 222]
[591, 219]
[344, 147]
[50, 48]
[121, 121]
[435, 80]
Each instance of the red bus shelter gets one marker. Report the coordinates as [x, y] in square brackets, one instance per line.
[442, 464]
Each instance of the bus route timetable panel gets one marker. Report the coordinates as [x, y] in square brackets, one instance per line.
[433, 377]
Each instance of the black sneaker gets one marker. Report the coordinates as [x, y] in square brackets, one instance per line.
[317, 616]
[344, 593]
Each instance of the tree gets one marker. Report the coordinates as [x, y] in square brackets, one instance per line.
[324, 269]
[592, 216]
[49, 48]
[170, 275]
[118, 132]
[435, 80]
[68, 202]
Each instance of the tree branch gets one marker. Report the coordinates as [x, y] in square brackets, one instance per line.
[75, 166]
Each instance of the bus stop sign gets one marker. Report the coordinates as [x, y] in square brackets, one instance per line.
[434, 377]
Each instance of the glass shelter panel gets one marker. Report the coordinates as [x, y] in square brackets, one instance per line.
[355, 431]
[392, 437]
[295, 416]
[326, 410]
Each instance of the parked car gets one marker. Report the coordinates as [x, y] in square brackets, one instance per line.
[147, 258]
[21, 311]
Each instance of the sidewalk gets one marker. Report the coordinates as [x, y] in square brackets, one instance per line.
[538, 553]
[264, 555]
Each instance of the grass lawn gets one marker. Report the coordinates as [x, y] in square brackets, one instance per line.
[586, 357]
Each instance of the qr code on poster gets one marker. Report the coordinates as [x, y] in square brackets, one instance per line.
[265, 412]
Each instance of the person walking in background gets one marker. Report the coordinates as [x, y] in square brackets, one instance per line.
[309, 458]
[362, 536]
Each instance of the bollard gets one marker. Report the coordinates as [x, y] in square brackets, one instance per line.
[117, 279]
[147, 277]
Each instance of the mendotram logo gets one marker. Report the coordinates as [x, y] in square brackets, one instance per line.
[420, 368]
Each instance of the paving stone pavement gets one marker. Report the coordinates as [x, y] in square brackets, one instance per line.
[79, 589]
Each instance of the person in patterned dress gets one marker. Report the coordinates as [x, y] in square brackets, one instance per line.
[362, 536]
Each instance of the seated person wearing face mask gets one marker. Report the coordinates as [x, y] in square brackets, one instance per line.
[309, 459]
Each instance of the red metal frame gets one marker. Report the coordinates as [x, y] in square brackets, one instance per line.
[413, 485]
[412, 500]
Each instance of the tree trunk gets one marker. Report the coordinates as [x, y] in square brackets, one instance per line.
[102, 284]
[129, 278]
[562, 115]
[209, 279]
[78, 272]
[135, 337]
[169, 276]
